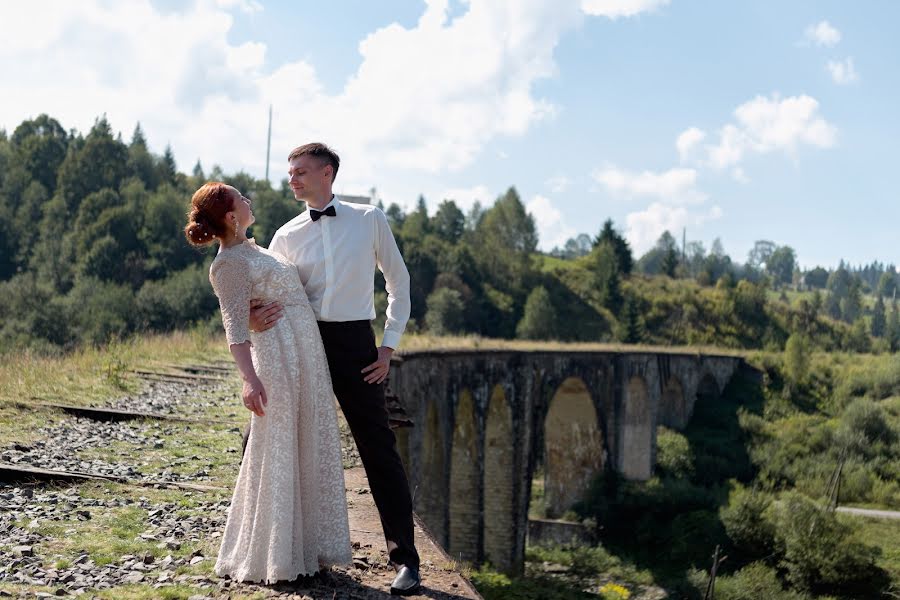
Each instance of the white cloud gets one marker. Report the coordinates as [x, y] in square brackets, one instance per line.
[643, 228]
[822, 34]
[247, 6]
[470, 80]
[738, 174]
[770, 124]
[558, 184]
[842, 71]
[674, 186]
[676, 202]
[552, 231]
[465, 198]
[614, 9]
[688, 141]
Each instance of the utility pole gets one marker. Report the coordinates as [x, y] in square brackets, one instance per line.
[834, 484]
[269, 143]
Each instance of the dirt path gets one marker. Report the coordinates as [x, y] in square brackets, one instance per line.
[440, 577]
[866, 512]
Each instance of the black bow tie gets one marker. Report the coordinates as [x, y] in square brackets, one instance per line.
[315, 215]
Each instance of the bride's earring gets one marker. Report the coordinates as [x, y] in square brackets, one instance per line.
[235, 227]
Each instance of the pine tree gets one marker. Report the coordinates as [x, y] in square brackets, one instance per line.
[892, 330]
[137, 138]
[141, 163]
[632, 326]
[417, 224]
[99, 161]
[670, 262]
[167, 166]
[878, 318]
[619, 245]
[602, 262]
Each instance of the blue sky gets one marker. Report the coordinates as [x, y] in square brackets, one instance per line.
[737, 120]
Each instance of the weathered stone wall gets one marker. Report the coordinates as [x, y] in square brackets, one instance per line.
[572, 441]
[499, 526]
[484, 420]
[464, 484]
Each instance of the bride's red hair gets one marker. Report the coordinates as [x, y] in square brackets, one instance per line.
[206, 221]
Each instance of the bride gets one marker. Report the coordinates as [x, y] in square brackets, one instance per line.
[288, 514]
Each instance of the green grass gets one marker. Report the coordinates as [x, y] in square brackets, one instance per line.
[571, 573]
[547, 264]
[186, 450]
[89, 376]
[590, 563]
[884, 534]
[19, 424]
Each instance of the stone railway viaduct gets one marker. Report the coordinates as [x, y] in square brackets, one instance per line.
[485, 419]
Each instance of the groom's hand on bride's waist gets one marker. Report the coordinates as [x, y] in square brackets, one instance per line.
[264, 315]
[378, 370]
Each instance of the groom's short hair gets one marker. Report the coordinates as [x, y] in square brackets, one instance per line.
[320, 151]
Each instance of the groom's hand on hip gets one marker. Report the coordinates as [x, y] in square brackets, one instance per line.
[264, 316]
[378, 370]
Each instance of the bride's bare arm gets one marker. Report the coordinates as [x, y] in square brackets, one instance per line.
[230, 279]
[253, 394]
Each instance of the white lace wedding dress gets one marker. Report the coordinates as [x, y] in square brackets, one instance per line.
[288, 513]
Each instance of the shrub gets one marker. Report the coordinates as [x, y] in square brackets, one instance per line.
[496, 586]
[796, 359]
[864, 430]
[100, 310]
[444, 314]
[751, 534]
[690, 536]
[539, 320]
[614, 591]
[816, 550]
[673, 454]
[756, 581]
[182, 298]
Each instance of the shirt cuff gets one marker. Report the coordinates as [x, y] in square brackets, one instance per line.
[391, 339]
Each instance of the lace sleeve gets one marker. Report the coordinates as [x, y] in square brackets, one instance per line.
[230, 277]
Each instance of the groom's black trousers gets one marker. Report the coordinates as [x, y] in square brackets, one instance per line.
[350, 347]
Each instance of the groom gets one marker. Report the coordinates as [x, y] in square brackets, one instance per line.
[336, 247]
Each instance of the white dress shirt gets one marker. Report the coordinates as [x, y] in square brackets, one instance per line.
[337, 257]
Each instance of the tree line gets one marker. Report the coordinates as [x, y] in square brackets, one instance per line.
[91, 248]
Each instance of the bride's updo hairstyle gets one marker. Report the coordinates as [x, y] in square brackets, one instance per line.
[206, 221]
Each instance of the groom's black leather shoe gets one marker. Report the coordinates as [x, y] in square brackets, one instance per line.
[406, 582]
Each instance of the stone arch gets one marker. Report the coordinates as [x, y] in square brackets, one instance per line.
[708, 388]
[432, 506]
[499, 455]
[673, 405]
[637, 433]
[573, 446]
[464, 509]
